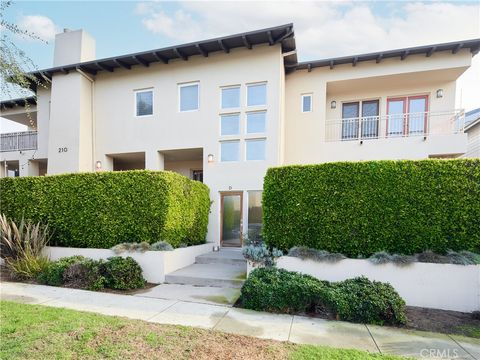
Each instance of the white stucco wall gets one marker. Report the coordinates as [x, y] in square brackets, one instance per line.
[438, 286]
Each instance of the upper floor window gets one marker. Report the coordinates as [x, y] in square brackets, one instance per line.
[189, 97]
[230, 150]
[231, 97]
[230, 124]
[256, 94]
[307, 103]
[256, 122]
[144, 103]
[255, 149]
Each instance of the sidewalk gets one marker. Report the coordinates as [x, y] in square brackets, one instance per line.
[297, 329]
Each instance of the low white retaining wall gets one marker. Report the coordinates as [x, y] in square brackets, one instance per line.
[155, 264]
[438, 286]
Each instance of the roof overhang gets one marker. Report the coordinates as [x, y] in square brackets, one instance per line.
[402, 54]
[10, 104]
[283, 35]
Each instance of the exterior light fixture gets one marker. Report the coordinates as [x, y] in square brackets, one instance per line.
[333, 105]
[439, 93]
[98, 165]
[210, 158]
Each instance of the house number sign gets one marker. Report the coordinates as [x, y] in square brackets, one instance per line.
[62, 149]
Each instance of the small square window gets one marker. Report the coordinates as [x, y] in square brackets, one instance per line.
[230, 150]
[256, 122]
[189, 97]
[256, 94]
[231, 97]
[307, 103]
[256, 149]
[144, 103]
[230, 124]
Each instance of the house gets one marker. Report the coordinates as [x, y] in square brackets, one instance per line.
[224, 110]
[472, 128]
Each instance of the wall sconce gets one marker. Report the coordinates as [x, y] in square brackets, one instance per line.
[98, 165]
[439, 93]
[333, 105]
[210, 158]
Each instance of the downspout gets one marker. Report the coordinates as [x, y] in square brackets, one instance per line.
[92, 109]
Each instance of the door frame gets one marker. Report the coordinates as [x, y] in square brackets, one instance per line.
[222, 195]
[406, 112]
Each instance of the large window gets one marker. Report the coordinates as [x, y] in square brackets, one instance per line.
[351, 119]
[256, 94]
[230, 124]
[256, 122]
[189, 95]
[255, 149]
[231, 97]
[230, 151]
[254, 214]
[144, 102]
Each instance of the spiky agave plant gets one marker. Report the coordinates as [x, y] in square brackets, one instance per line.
[22, 246]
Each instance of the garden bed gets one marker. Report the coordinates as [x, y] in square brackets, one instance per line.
[437, 286]
[154, 264]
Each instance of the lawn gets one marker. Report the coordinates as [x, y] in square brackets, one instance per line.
[40, 332]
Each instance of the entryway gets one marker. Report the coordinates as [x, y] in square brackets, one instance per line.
[231, 219]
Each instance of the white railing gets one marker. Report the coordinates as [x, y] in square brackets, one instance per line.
[25, 140]
[398, 125]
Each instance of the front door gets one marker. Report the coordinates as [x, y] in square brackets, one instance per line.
[231, 219]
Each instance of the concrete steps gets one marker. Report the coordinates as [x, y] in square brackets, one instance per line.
[224, 269]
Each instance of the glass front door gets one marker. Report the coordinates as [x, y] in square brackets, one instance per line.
[231, 219]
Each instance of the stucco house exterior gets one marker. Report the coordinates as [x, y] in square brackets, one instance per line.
[472, 128]
[224, 110]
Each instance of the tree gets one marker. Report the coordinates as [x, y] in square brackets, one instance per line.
[15, 65]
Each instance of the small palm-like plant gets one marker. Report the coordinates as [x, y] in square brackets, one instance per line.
[22, 246]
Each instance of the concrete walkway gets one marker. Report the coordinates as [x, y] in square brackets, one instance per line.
[297, 329]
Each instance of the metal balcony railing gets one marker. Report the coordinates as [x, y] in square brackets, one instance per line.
[397, 125]
[25, 140]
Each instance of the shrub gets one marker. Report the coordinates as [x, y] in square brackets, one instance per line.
[22, 247]
[122, 273]
[357, 300]
[365, 301]
[359, 208]
[306, 253]
[100, 210]
[84, 274]
[124, 247]
[161, 246]
[277, 290]
[383, 257]
[53, 272]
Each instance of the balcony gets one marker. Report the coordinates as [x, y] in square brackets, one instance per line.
[421, 124]
[17, 141]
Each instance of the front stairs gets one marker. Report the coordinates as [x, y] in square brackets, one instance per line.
[226, 268]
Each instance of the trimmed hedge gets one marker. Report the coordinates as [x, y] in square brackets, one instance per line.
[100, 210]
[359, 208]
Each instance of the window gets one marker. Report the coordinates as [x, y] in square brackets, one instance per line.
[230, 150]
[256, 122]
[255, 149]
[189, 97]
[230, 124]
[256, 94]
[231, 97]
[350, 113]
[144, 103]
[307, 103]
[197, 175]
[368, 120]
[254, 214]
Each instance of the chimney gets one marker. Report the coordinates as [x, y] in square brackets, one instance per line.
[73, 46]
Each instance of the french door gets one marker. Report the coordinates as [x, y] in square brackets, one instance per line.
[351, 119]
[407, 115]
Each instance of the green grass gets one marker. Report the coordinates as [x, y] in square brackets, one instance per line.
[40, 332]
[469, 330]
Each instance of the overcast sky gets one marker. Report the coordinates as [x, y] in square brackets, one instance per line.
[322, 29]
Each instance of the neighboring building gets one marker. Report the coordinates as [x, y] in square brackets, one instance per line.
[472, 129]
[225, 110]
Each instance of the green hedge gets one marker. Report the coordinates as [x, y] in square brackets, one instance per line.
[100, 210]
[359, 208]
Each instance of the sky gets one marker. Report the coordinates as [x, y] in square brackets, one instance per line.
[323, 29]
